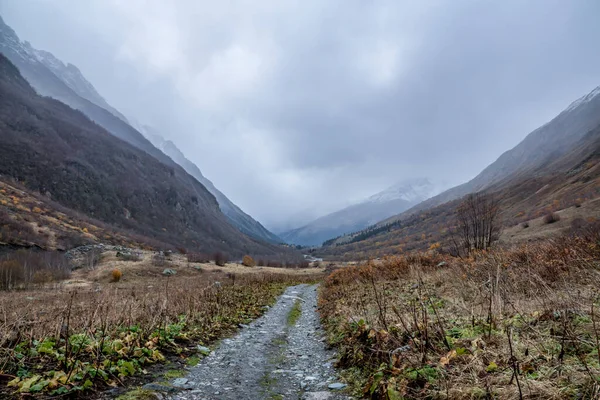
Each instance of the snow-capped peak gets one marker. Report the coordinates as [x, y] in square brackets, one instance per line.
[413, 191]
[584, 99]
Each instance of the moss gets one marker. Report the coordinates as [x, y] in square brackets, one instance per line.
[138, 394]
[294, 314]
[192, 361]
[174, 373]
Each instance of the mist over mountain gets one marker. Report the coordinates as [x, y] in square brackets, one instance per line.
[42, 68]
[384, 204]
[550, 141]
[59, 152]
[555, 167]
[238, 218]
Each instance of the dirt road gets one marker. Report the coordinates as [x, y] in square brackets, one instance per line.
[281, 355]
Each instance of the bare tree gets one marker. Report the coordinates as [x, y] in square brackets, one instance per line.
[477, 223]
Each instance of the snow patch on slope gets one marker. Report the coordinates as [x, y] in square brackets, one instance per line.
[584, 99]
[412, 191]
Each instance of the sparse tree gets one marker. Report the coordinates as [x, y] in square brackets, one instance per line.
[477, 223]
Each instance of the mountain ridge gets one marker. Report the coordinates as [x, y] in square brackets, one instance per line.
[244, 222]
[358, 216]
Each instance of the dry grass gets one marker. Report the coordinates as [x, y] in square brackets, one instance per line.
[517, 323]
[538, 229]
[90, 332]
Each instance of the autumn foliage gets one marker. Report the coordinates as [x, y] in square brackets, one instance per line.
[116, 275]
[248, 261]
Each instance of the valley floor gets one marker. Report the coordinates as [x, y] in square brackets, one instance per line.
[117, 323]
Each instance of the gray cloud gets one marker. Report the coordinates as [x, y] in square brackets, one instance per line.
[296, 108]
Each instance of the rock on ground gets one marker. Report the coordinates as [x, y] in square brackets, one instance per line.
[270, 358]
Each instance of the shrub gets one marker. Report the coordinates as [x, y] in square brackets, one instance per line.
[182, 250]
[14, 231]
[116, 275]
[577, 224]
[71, 239]
[220, 259]
[23, 268]
[551, 218]
[159, 259]
[129, 256]
[198, 258]
[274, 264]
[248, 261]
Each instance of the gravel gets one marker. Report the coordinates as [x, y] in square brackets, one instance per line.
[270, 359]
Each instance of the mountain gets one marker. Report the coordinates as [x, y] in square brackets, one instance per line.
[52, 149]
[382, 205]
[551, 140]
[33, 65]
[72, 77]
[51, 77]
[236, 216]
[556, 167]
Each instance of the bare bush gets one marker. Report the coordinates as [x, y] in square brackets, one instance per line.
[182, 250]
[198, 258]
[274, 264]
[220, 259]
[26, 268]
[551, 218]
[159, 259]
[478, 223]
[129, 255]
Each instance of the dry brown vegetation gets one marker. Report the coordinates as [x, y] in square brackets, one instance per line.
[508, 323]
[94, 330]
[248, 261]
[33, 220]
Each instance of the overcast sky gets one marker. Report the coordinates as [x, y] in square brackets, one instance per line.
[297, 108]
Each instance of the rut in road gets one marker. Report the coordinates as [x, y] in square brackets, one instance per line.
[281, 355]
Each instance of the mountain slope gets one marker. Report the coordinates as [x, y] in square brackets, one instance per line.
[551, 140]
[51, 77]
[73, 78]
[46, 83]
[553, 168]
[57, 151]
[238, 218]
[359, 216]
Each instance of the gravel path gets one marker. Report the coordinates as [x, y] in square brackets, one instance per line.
[275, 357]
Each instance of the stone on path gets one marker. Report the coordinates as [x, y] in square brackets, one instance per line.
[336, 386]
